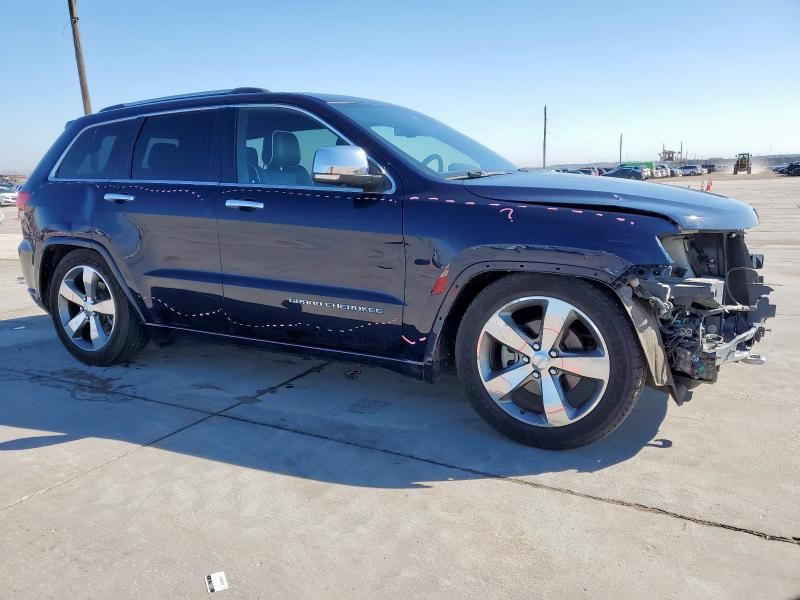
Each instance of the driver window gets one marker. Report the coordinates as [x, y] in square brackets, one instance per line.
[276, 146]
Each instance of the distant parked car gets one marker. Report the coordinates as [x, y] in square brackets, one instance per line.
[691, 170]
[8, 195]
[781, 168]
[588, 171]
[664, 169]
[710, 168]
[675, 172]
[626, 173]
[793, 168]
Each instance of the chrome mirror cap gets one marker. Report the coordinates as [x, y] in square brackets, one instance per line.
[344, 165]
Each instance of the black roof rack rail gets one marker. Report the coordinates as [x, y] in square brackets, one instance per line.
[238, 90]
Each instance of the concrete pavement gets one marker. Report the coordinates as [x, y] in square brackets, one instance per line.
[303, 478]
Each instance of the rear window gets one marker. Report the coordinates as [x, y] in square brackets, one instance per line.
[101, 152]
[175, 147]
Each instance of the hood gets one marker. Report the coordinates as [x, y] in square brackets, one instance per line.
[687, 208]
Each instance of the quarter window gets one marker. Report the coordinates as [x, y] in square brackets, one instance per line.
[175, 147]
[101, 152]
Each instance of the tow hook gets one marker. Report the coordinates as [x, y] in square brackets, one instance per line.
[755, 359]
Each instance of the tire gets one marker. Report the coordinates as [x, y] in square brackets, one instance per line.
[102, 336]
[525, 420]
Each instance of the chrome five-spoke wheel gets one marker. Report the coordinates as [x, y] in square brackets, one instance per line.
[86, 308]
[543, 361]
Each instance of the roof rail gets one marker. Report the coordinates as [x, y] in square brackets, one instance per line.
[238, 90]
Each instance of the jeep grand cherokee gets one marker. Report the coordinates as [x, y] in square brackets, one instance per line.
[359, 230]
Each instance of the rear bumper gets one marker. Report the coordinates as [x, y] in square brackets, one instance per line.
[29, 272]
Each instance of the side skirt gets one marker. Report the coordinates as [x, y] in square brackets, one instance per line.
[416, 370]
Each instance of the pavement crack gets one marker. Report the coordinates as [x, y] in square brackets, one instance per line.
[275, 388]
[396, 453]
[541, 486]
[206, 416]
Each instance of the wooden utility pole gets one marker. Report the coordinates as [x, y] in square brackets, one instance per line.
[620, 148]
[76, 40]
[544, 140]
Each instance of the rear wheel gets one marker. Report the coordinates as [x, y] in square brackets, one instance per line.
[549, 361]
[91, 313]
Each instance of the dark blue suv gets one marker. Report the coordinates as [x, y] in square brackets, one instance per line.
[358, 230]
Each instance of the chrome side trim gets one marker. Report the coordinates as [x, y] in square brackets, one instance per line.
[52, 175]
[316, 188]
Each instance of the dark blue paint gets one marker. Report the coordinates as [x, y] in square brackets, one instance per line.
[191, 263]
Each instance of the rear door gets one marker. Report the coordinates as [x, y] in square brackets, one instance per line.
[305, 263]
[159, 220]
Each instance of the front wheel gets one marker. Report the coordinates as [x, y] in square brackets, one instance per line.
[91, 313]
[549, 361]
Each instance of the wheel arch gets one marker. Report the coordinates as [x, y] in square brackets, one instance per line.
[642, 319]
[56, 248]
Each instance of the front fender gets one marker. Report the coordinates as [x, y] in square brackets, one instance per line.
[643, 319]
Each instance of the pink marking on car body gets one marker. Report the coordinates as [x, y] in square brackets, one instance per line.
[510, 212]
[408, 341]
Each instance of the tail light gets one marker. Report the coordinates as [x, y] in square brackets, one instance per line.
[22, 199]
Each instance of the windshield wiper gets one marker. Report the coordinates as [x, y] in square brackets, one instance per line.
[477, 174]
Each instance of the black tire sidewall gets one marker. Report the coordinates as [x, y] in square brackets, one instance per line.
[627, 364]
[125, 323]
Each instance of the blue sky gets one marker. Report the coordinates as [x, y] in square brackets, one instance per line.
[720, 76]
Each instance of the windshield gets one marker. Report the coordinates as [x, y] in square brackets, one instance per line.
[431, 144]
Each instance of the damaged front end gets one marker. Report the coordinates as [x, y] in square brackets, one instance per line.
[709, 307]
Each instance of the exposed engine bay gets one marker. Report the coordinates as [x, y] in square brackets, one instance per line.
[711, 304]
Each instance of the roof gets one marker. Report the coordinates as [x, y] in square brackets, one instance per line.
[190, 96]
[239, 91]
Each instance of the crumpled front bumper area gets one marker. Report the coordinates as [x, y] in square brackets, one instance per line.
[709, 312]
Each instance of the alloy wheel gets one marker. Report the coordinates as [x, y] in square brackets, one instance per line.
[543, 361]
[86, 308]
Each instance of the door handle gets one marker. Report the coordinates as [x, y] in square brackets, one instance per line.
[118, 198]
[244, 204]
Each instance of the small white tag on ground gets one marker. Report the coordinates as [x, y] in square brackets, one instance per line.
[216, 582]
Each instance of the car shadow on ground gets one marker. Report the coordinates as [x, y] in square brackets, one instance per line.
[278, 413]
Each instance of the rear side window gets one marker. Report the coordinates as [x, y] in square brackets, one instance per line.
[175, 147]
[101, 152]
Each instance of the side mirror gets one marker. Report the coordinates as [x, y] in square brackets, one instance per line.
[344, 165]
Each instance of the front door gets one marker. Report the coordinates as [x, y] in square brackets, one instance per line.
[304, 263]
